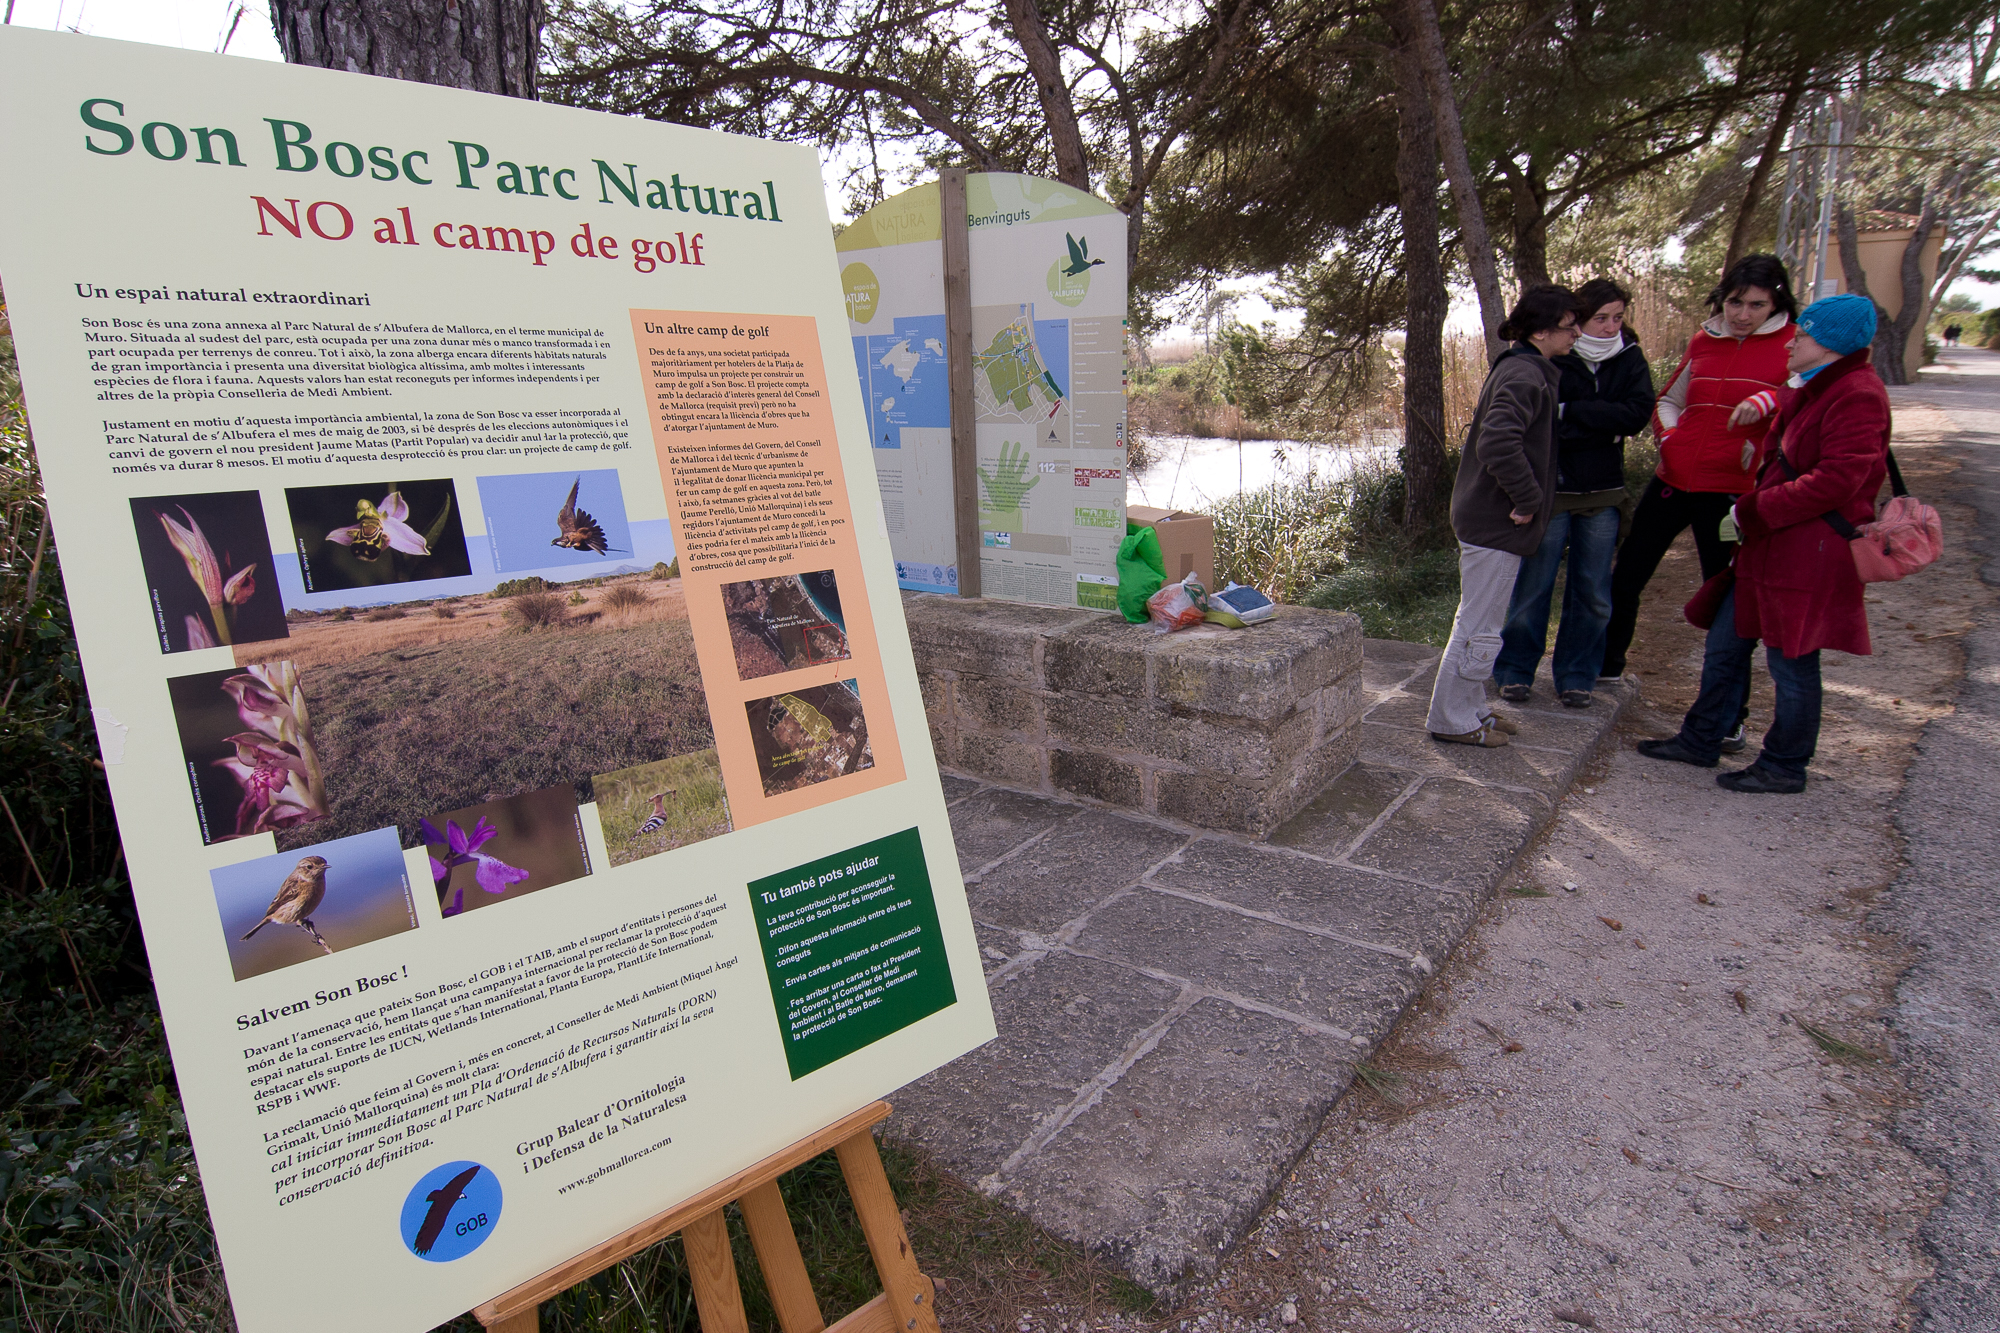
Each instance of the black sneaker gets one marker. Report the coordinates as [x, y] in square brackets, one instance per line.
[1734, 743]
[1758, 780]
[1514, 694]
[1670, 747]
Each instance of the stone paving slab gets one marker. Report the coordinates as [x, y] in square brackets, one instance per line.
[1179, 1008]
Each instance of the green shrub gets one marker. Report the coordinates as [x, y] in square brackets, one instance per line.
[515, 587]
[668, 571]
[1398, 592]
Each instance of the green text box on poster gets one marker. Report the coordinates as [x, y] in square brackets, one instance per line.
[852, 948]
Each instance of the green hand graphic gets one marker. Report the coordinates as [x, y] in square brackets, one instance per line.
[1006, 487]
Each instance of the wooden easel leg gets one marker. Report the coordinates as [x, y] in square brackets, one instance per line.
[527, 1321]
[909, 1292]
[784, 1268]
[717, 1294]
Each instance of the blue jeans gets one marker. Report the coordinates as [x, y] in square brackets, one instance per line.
[1725, 682]
[1591, 540]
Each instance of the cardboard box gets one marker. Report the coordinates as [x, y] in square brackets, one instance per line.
[1187, 541]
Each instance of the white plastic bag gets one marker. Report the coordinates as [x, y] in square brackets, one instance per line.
[1178, 605]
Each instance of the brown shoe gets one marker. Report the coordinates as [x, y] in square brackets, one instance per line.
[1501, 722]
[1575, 698]
[1515, 694]
[1487, 737]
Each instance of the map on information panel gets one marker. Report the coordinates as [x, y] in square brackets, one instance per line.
[1013, 382]
[905, 378]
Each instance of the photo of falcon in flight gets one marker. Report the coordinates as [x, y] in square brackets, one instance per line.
[443, 1199]
[579, 531]
[298, 897]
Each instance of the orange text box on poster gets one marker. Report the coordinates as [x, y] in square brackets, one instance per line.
[755, 489]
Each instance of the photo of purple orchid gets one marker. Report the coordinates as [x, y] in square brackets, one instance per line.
[276, 763]
[513, 846]
[252, 760]
[205, 594]
[462, 848]
[372, 533]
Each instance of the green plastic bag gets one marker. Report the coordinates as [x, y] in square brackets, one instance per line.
[1141, 570]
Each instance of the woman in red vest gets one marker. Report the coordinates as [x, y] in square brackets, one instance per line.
[1705, 461]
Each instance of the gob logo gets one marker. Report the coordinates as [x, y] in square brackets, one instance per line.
[451, 1211]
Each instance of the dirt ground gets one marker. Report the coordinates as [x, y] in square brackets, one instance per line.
[1653, 1089]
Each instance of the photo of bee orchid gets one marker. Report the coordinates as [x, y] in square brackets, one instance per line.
[367, 534]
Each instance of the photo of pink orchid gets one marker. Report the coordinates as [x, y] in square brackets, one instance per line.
[369, 533]
[462, 848]
[251, 754]
[510, 848]
[206, 561]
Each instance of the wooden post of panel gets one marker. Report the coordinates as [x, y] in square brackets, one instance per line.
[905, 1305]
[957, 232]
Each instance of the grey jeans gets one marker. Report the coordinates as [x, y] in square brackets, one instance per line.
[1485, 586]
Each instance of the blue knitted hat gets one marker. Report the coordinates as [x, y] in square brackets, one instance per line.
[1841, 324]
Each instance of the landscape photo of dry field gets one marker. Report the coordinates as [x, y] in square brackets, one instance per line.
[438, 705]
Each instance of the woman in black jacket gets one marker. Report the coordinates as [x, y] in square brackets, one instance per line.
[1606, 395]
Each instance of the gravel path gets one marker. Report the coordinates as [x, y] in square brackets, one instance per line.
[1947, 1013]
[1656, 1088]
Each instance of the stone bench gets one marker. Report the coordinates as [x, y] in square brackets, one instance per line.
[1219, 728]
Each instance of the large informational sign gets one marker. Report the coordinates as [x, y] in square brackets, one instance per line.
[1048, 282]
[494, 642]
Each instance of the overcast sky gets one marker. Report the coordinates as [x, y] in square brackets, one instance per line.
[199, 25]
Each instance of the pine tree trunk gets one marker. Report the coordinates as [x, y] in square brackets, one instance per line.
[1911, 315]
[1530, 225]
[1428, 39]
[1760, 175]
[1425, 485]
[488, 46]
[1848, 239]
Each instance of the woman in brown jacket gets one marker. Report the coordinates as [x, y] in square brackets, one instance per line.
[1500, 507]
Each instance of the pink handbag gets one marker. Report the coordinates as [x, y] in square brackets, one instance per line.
[1907, 536]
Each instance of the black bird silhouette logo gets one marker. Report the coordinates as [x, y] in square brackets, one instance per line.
[443, 1200]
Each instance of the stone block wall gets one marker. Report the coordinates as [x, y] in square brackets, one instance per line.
[1226, 729]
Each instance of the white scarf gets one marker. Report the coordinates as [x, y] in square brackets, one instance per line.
[1595, 350]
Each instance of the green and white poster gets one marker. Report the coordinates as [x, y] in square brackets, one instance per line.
[1048, 287]
[471, 529]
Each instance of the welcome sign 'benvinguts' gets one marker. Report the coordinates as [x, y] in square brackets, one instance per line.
[525, 781]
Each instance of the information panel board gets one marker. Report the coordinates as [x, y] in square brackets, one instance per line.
[1048, 286]
[496, 652]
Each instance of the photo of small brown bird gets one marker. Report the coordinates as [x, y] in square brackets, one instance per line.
[579, 531]
[658, 819]
[298, 897]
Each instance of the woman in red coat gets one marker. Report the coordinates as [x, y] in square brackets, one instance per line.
[1796, 588]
